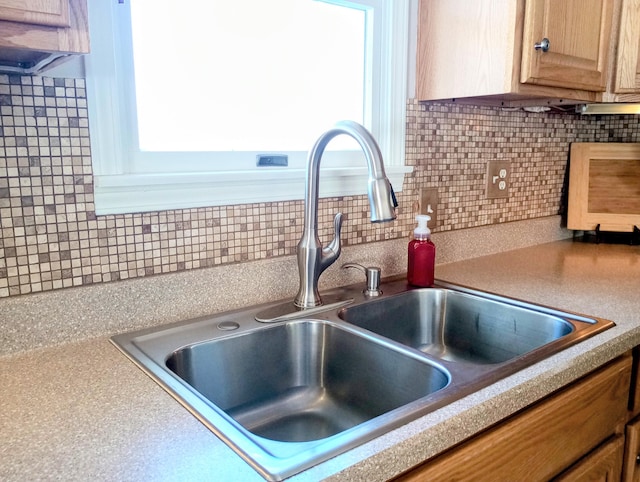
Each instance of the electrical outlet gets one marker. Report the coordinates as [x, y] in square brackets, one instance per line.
[498, 179]
[429, 204]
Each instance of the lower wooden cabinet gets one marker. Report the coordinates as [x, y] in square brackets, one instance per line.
[631, 469]
[546, 440]
[604, 464]
[634, 392]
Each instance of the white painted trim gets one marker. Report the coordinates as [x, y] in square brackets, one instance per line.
[158, 192]
[120, 189]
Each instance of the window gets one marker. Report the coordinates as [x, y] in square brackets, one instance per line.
[169, 131]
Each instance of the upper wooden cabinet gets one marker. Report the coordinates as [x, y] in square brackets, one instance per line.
[39, 12]
[625, 78]
[576, 34]
[495, 49]
[34, 33]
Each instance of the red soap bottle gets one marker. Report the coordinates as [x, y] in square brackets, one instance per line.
[422, 254]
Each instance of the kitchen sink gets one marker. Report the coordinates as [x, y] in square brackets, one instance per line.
[290, 394]
[457, 326]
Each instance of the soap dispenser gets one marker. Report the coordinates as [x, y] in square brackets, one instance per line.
[422, 254]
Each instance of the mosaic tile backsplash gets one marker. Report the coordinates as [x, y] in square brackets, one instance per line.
[51, 237]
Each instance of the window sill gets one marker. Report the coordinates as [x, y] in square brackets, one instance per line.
[118, 194]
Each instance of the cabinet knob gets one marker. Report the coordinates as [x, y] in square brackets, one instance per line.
[544, 45]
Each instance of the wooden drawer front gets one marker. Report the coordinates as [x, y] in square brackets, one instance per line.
[543, 440]
[602, 465]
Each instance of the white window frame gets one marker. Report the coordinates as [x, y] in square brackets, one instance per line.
[118, 190]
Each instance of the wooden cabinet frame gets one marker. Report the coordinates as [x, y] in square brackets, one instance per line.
[481, 52]
[544, 440]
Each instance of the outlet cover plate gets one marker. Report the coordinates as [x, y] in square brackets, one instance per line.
[498, 179]
[429, 199]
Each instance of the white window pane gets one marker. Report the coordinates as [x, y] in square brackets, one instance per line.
[130, 180]
[261, 75]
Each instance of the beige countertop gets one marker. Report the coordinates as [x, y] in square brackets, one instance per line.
[82, 411]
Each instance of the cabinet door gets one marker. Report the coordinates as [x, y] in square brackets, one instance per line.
[465, 48]
[579, 34]
[627, 73]
[603, 464]
[631, 468]
[29, 46]
[54, 13]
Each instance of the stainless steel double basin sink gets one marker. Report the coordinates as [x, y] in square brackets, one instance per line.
[288, 395]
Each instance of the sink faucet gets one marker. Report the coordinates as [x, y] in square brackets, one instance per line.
[313, 259]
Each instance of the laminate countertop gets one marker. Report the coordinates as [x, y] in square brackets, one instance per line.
[82, 411]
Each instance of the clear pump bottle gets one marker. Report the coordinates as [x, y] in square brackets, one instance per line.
[421, 255]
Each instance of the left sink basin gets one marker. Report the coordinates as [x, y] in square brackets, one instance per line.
[290, 395]
[304, 380]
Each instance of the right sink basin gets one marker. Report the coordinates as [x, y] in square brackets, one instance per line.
[462, 327]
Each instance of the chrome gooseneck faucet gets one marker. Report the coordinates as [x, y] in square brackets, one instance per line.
[313, 259]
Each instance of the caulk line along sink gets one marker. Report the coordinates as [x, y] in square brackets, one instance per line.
[290, 394]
